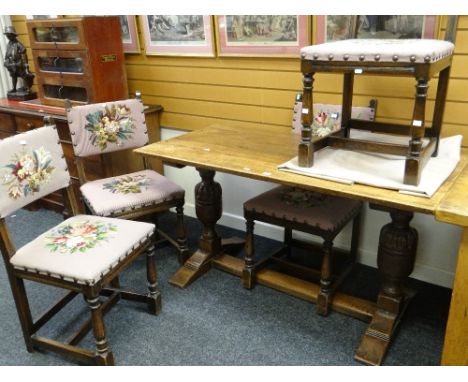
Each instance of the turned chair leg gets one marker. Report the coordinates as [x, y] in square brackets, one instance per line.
[23, 309]
[103, 353]
[324, 296]
[181, 235]
[154, 295]
[247, 273]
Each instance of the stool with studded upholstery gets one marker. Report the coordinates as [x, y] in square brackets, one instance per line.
[421, 59]
[306, 211]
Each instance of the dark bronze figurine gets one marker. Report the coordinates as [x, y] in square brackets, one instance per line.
[16, 61]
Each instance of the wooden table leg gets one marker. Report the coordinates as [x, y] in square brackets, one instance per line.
[455, 351]
[208, 207]
[395, 259]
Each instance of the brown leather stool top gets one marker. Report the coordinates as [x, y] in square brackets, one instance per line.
[306, 211]
[324, 212]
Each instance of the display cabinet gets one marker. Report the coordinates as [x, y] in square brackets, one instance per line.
[79, 59]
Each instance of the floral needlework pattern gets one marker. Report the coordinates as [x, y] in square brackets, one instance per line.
[78, 236]
[114, 124]
[305, 198]
[27, 172]
[127, 185]
[325, 123]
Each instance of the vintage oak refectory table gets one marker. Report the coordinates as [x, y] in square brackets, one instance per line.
[255, 154]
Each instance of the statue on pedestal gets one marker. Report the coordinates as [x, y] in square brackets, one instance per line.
[16, 61]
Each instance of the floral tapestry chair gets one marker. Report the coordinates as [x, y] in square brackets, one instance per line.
[115, 126]
[83, 254]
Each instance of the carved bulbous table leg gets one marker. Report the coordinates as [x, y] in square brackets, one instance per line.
[395, 259]
[208, 204]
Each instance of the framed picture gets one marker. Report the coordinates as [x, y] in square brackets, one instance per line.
[182, 35]
[261, 35]
[330, 28]
[129, 34]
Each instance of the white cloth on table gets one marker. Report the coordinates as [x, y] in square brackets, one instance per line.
[381, 170]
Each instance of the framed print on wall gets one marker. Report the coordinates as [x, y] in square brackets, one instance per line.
[262, 35]
[335, 27]
[129, 34]
[181, 35]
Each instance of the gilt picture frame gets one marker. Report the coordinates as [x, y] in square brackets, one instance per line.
[129, 30]
[262, 35]
[336, 27]
[178, 35]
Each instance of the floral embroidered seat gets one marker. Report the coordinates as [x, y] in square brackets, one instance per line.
[82, 249]
[115, 126]
[83, 254]
[120, 194]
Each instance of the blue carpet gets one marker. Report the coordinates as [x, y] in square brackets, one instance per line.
[217, 322]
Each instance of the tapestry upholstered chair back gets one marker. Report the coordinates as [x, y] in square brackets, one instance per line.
[83, 254]
[107, 127]
[32, 165]
[104, 128]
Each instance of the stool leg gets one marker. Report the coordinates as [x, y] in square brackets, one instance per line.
[323, 298]
[347, 103]
[247, 273]
[181, 235]
[306, 148]
[287, 241]
[439, 107]
[356, 232]
[414, 160]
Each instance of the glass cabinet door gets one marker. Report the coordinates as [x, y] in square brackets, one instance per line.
[60, 64]
[56, 34]
[73, 93]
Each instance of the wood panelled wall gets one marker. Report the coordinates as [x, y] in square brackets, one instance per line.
[247, 91]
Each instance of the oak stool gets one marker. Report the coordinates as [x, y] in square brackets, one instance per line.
[306, 211]
[421, 59]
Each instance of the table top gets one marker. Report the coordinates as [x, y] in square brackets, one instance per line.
[257, 153]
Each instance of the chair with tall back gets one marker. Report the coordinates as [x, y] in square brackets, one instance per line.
[82, 254]
[104, 128]
[421, 59]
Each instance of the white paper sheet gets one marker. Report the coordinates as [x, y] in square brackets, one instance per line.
[381, 170]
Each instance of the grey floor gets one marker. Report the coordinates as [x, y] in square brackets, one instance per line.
[217, 322]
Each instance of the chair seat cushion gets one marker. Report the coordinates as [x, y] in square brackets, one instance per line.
[83, 248]
[325, 212]
[111, 196]
[380, 50]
